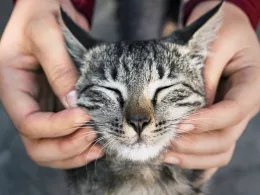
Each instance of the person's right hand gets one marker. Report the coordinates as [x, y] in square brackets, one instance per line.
[33, 42]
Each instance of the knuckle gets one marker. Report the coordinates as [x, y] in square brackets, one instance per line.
[221, 142]
[177, 145]
[224, 142]
[66, 147]
[41, 26]
[32, 153]
[229, 143]
[40, 32]
[238, 113]
[225, 161]
[60, 73]
[227, 158]
[81, 117]
[185, 165]
[71, 146]
[221, 148]
[24, 127]
[41, 163]
[210, 90]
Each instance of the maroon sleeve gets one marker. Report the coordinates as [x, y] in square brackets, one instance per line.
[250, 7]
[86, 7]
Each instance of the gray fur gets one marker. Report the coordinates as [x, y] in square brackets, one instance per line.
[161, 79]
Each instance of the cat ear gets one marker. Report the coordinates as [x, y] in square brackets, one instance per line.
[78, 41]
[198, 35]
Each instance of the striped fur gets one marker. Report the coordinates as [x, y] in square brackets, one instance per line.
[161, 80]
[118, 81]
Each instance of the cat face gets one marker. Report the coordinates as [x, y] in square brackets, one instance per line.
[136, 93]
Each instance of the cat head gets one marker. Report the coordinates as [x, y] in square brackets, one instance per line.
[136, 93]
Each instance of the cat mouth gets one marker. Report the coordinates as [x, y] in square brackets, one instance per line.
[139, 151]
[140, 144]
[139, 141]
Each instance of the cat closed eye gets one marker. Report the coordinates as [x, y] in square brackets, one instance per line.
[161, 89]
[119, 94]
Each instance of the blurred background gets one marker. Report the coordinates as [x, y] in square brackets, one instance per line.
[20, 176]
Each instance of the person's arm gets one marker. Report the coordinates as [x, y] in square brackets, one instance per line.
[250, 7]
[86, 7]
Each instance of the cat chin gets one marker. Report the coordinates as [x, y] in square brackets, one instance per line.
[140, 152]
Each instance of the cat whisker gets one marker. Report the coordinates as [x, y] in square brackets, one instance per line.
[188, 115]
[74, 128]
[180, 145]
[102, 148]
[184, 137]
[192, 134]
[197, 112]
[97, 140]
[107, 143]
[199, 128]
[172, 147]
[188, 119]
[188, 132]
[102, 138]
[190, 122]
[69, 129]
[83, 136]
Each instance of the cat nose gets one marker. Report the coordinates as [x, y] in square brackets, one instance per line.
[138, 123]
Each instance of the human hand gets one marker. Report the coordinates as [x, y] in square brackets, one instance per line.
[213, 131]
[33, 37]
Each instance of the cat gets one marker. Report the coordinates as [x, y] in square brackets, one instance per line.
[136, 93]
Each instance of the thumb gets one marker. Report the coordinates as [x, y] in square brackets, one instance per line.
[214, 65]
[48, 46]
[78, 18]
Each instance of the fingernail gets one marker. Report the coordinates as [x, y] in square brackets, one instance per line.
[185, 128]
[171, 160]
[71, 99]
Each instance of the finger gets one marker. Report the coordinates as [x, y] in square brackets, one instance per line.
[237, 103]
[17, 93]
[61, 148]
[81, 20]
[49, 47]
[218, 116]
[78, 18]
[212, 142]
[215, 65]
[49, 125]
[77, 161]
[25, 111]
[213, 68]
[199, 161]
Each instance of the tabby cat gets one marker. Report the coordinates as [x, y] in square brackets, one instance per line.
[136, 93]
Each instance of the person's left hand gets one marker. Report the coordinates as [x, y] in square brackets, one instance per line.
[213, 131]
